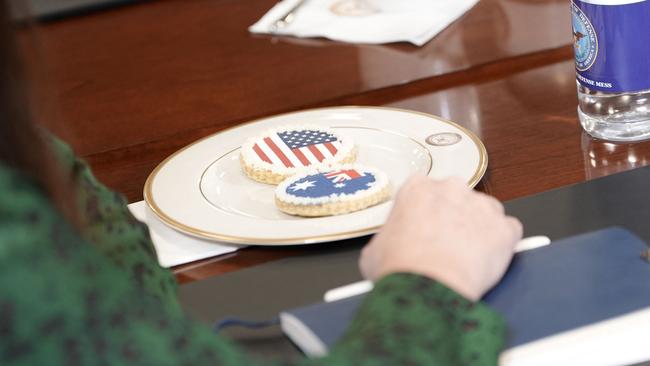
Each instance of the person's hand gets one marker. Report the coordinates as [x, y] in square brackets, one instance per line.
[445, 231]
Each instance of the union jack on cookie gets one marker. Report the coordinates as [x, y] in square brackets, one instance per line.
[333, 190]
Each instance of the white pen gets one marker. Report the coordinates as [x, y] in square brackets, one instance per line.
[361, 287]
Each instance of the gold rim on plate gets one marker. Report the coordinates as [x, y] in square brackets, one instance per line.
[148, 194]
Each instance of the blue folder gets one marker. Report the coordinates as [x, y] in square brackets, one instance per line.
[571, 283]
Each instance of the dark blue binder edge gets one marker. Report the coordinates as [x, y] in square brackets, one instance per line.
[571, 283]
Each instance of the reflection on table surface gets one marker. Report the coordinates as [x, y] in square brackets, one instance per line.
[116, 74]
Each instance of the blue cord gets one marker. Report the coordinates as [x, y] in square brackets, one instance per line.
[236, 322]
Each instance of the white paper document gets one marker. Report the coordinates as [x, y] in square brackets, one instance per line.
[173, 247]
[364, 21]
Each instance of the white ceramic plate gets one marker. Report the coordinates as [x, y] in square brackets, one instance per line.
[202, 191]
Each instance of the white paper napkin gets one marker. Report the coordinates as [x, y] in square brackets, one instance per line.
[365, 21]
[173, 247]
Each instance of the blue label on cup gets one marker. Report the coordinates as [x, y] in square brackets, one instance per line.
[612, 44]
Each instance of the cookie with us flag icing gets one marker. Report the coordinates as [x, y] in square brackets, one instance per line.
[332, 190]
[283, 152]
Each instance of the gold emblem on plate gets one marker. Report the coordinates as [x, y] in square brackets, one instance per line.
[444, 139]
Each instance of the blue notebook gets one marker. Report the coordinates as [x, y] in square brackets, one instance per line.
[546, 293]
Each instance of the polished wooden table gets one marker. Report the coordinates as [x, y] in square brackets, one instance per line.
[129, 86]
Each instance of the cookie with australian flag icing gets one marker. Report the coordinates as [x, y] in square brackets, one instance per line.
[280, 153]
[332, 190]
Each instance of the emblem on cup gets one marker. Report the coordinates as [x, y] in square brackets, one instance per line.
[444, 139]
[585, 40]
[353, 8]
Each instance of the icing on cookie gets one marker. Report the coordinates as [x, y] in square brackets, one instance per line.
[338, 184]
[280, 153]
